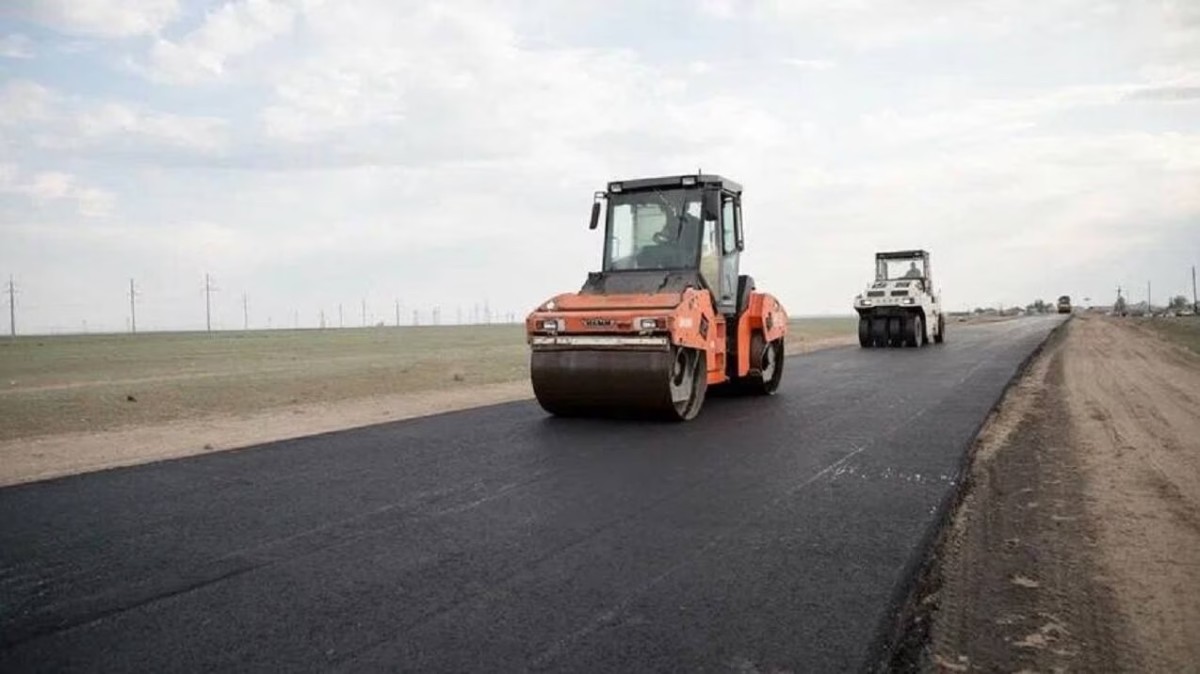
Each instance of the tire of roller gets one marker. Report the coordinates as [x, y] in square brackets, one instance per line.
[879, 331]
[761, 382]
[615, 383]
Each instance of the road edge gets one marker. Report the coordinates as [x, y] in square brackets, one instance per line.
[899, 642]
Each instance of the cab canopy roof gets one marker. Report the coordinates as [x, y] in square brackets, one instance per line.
[901, 254]
[690, 180]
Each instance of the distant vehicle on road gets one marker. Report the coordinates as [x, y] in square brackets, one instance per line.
[1064, 304]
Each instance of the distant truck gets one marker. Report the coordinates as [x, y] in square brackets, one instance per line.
[1064, 304]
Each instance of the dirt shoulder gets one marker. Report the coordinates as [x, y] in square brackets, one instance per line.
[66, 454]
[1076, 545]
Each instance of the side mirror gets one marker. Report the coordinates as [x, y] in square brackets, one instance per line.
[712, 205]
[595, 215]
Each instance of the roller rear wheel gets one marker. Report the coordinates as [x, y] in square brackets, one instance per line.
[864, 332]
[688, 383]
[766, 365]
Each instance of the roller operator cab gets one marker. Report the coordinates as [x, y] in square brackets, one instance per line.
[900, 308]
[1064, 304]
[668, 315]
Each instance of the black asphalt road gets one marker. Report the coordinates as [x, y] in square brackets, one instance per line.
[769, 533]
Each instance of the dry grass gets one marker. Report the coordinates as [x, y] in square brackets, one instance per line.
[84, 383]
[1183, 330]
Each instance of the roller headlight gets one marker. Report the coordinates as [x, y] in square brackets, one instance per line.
[651, 323]
[865, 302]
[550, 324]
[908, 300]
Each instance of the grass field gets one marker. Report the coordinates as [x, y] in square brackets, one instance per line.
[51, 385]
[1184, 330]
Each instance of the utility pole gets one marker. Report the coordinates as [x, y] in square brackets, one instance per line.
[245, 313]
[208, 290]
[416, 318]
[1195, 304]
[364, 312]
[397, 313]
[458, 315]
[132, 309]
[1149, 306]
[296, 318]
[341, 322]
[322, 319]
[12, 308]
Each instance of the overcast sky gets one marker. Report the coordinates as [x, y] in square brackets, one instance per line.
[307, 153]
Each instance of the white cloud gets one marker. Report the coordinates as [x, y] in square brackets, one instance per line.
[985, 119]
[102, 18]
[52, 120]
[16, 46]
[109, 120]
[720, 9]
[810, 64]
[22, 101]
[878, 24]
[228, 32]
[47, 187]
[50, 186]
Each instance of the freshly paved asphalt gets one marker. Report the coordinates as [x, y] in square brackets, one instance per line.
[768, 533]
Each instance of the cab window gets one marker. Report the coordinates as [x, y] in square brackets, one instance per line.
[729, 225]
[710, 255]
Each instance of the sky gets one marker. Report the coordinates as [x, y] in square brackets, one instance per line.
[311, 153]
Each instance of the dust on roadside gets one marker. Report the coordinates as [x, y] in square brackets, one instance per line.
[1076, 546]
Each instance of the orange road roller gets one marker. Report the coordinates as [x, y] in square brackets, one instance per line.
[667, 316]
